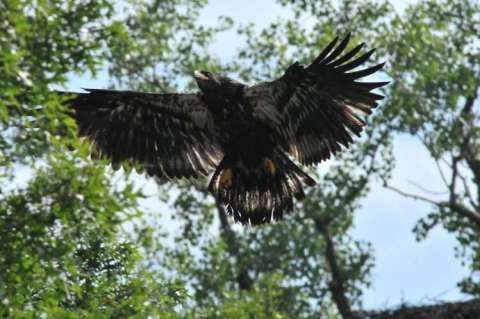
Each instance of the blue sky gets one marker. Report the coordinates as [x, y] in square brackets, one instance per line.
[405, 271]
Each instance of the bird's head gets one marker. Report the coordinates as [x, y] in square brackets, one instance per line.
[207, 81]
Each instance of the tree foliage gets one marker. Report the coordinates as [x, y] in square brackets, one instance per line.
[435, 99]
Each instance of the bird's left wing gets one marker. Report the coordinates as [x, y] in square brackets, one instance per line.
[316, 108]
[169, 134]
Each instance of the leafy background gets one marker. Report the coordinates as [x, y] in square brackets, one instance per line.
[80, 240]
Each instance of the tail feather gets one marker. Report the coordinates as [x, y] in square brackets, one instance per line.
[257, 195]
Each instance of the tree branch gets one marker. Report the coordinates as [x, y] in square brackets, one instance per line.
[440, 171]
[468, 150]
[243, 279]
[453, 181]
[474, 165]
[336, 285]
[424, 189]
[466, 189]
[454, 206]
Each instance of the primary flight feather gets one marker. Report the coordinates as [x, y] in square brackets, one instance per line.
[246, 135]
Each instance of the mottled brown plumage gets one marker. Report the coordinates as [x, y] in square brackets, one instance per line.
[246, 135]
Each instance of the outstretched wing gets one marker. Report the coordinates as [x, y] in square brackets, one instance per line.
[170, 135]
[316, 108]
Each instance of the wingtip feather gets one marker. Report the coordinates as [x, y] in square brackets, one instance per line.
[326, 51]
[338, 50]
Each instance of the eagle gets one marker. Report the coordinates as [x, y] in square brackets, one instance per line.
[252, 138]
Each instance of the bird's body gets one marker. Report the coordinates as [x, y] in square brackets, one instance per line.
[246, 135]
[254, 171]
[242, 135]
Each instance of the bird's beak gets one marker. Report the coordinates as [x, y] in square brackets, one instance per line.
[200, 76]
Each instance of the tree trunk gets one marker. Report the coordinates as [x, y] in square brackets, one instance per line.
[228, 235]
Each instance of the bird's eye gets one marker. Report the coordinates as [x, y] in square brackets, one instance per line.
[207, 74]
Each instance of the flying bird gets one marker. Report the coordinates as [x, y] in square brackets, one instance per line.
[249, 137]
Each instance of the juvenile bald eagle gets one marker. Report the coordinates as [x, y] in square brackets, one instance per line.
[246, 135]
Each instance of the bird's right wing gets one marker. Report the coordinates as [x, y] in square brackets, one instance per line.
[169, 135]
